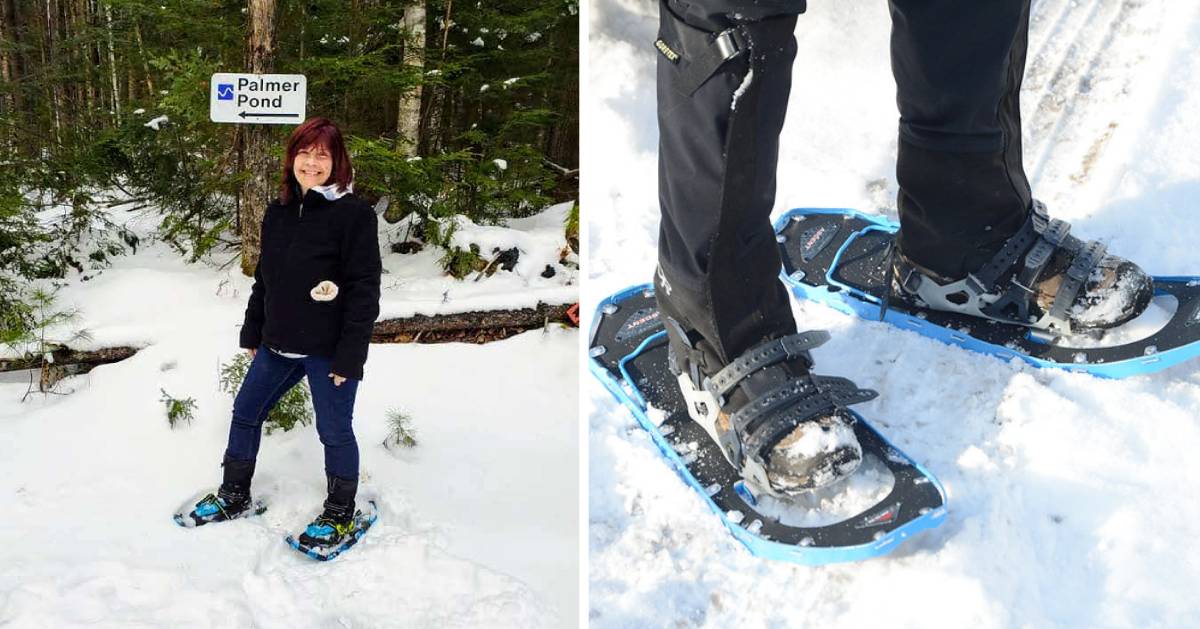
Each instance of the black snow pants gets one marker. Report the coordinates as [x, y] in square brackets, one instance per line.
[724, 77]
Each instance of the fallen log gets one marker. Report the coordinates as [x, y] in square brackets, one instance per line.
[67, 356]
[476, 326]
[471, 327]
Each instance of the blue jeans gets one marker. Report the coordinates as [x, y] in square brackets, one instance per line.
[271, 376]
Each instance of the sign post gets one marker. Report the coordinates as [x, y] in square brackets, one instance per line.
[257, 98]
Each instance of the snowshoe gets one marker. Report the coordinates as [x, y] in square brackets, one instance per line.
[328, 536]
[889, 499]
[217, 507]
[1092, 318]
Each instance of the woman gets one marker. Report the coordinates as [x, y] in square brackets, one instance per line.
[311, 311]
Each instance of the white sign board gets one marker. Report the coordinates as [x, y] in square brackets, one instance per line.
[257, 98]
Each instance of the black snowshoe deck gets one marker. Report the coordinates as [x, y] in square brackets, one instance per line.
[628, 353]
[854, 246]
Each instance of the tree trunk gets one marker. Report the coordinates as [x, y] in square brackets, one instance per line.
[6, 71]
[255, 139]
[137, 33]
[112, 64]
[48, 62]
[432, 121]
[68, 356]
[393, 330]
[17, 67]
[408, 116]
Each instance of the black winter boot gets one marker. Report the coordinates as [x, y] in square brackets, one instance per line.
[231, 501]
[337, 519]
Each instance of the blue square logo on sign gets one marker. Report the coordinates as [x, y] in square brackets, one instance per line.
[225, 91]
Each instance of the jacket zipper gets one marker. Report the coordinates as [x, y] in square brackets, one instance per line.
[301, 215]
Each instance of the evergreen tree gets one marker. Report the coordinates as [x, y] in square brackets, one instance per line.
[450, 109]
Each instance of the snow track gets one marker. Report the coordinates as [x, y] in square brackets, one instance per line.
[1068, 495]
[1080, 85]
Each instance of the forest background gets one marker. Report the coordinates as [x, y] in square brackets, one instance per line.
[450, 108]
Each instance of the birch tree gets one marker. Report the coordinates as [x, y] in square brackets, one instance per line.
[408, 116]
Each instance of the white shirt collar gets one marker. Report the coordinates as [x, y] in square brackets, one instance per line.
[331, 193]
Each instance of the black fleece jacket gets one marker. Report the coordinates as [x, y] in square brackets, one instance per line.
[304, 243]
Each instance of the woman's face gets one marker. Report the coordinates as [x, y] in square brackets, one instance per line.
[312, 166]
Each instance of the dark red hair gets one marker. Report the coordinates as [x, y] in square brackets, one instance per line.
[316, 132]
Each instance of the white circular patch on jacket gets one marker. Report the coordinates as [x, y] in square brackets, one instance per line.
[325, 291]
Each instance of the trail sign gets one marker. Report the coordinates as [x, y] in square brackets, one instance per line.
[257, 98]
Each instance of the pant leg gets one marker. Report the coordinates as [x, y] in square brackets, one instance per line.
[270, 376]
[718, 151]
[334, 406]
[958, 68]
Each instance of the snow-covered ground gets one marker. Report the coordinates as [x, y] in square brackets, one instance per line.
[478, 524]
[1071, 499]
[414, 283]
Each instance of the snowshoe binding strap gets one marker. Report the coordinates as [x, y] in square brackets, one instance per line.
[764, 421]
[982, 293]
[1078, 273]
[764, 355]
[209, 506]
[800, 391]
[764, 431]
[220, 506]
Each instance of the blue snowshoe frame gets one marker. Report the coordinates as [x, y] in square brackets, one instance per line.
[1176, 342]
[621, 386]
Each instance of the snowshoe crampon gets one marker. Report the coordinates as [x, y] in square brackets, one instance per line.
[207, 508]
[359, 525]
[840, 257]
[869, 514]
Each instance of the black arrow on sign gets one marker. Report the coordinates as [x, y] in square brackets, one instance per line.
[252, 113]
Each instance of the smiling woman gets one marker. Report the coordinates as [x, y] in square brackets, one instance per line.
[313, 304]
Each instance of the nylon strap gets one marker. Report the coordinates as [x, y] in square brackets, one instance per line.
[705, 53]
[746, 420]
[765, 355]
[1020, 293]
[1019, 243]
[1078, 273]
[809, 398]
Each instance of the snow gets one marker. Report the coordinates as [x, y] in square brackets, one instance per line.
[415, 284]
[831, 436]
[1069, 496]
[478, 524]
[502, 164]
[860, 492]
[478, 41]
[741, 89]
[154, 124]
